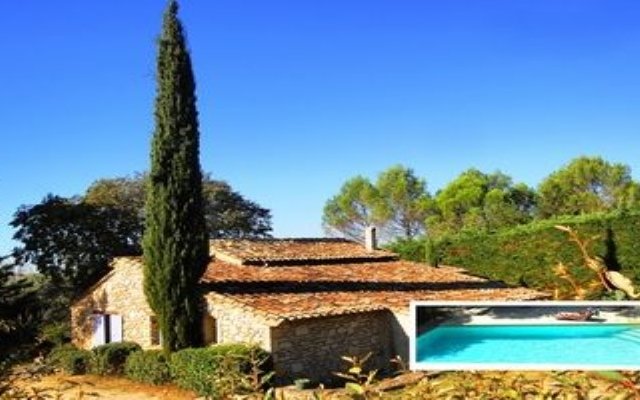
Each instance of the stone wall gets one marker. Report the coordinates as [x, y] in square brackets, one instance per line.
[311, 348]
[120, 292]
[233, 323]
[401, 328]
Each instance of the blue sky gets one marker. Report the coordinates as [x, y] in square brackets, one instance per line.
[297, 96]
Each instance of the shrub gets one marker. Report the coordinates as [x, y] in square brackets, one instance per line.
[109, 359]
[148, 366]
[70, 359]
[218, 370]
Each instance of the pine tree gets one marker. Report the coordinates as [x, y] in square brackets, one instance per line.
[175, 242]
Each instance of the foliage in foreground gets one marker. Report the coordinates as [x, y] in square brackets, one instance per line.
[238, 370]
[110, 358]
[70, 359]
[598, 385]
[362, 384]
[148, 366]
[221, 370]
[525, 385]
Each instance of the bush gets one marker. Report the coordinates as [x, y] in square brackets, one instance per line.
[218, 370]
[148, 366]
[192, 369]
[109, 359]
[70, 359]
[526, 254]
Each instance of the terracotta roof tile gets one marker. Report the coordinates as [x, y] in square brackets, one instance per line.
[338, 277]
[394, 271]
[294, 251]
[294, 292]
[278, 307]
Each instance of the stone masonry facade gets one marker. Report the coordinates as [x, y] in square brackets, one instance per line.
[119, 293]
[234, 323]
[312, 348]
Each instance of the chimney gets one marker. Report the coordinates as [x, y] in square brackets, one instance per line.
[370, 240]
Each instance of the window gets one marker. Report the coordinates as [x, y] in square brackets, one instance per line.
[107, 328]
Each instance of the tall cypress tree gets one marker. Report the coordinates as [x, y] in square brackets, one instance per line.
[175, 242]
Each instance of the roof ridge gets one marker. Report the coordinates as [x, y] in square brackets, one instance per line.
[317, 260]
[288, 239]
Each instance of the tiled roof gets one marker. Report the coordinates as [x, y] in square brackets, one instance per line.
[278, 307]
[294, 251]
[371, 272]
[290, 279]
[294, 292]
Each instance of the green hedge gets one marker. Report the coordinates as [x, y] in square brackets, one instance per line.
[148, 366]
[109, 359]
[526, 254]
[208, 370]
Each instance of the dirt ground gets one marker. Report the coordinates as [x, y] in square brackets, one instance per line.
[85, 387]
[95, 387]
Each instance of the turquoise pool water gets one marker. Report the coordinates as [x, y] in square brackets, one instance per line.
[577, 345]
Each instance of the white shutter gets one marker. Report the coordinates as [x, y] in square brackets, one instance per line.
[99, 333]
[116, 328]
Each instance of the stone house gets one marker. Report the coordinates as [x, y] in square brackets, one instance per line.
[307, 301]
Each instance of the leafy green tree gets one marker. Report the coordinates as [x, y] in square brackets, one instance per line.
[403, 202]
[512, 205]
[398, 203]
[71, 242]
[228, 214]
[126, 193]
[16, 298]
[586, 185]
[475, 200]
[175, 244]
[353, 209]
[459, 202]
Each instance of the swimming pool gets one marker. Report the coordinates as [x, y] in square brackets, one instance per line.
[570, 346]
